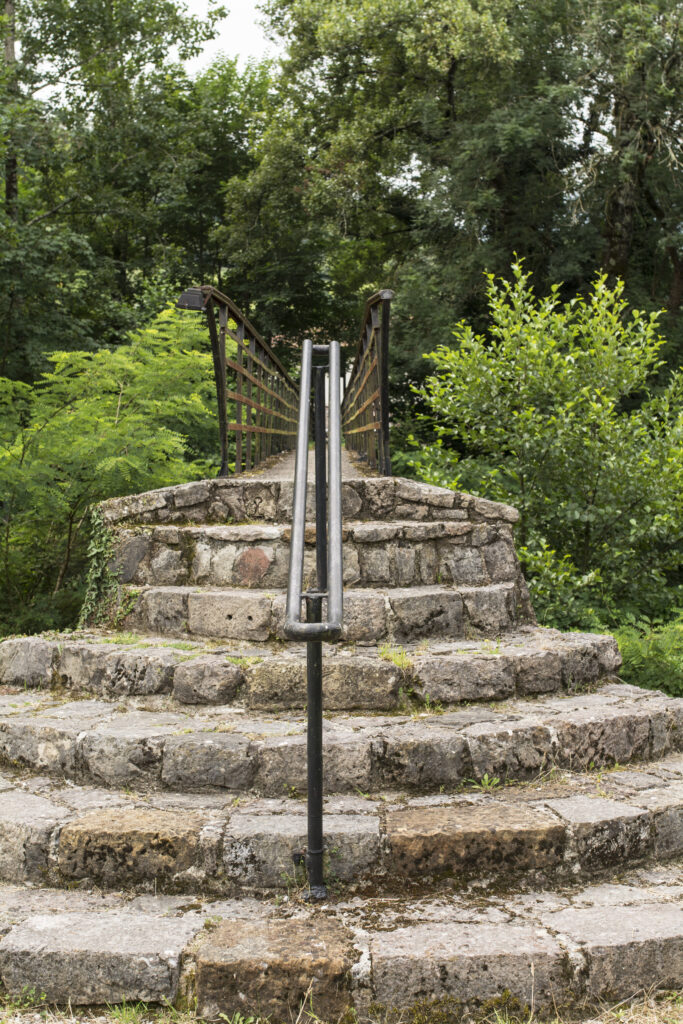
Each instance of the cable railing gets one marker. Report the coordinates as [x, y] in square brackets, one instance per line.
[365, 409]
[262, 397]
[329, 571]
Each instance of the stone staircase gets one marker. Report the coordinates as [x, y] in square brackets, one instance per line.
[504, 819]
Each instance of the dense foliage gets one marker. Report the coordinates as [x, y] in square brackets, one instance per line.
[653, 655]
[541, 412]
[425, 144]
[95, 424]
[114, 162]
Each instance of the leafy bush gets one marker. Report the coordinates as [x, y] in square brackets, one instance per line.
[554, 412]
[653, 655]
[97, 425]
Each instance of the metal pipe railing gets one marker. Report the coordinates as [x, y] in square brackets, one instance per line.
[331, 628]
[263, 396]
[329, 572]
[365, 409]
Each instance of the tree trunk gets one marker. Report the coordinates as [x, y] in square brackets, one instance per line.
[676, 290]
[11, 162]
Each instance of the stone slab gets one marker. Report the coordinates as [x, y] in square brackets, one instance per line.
[127, 847]
[26, 825]
[628, 949]
[96, 958]
[473, 839]
[269, 969]
[259, 849]
[462, 964]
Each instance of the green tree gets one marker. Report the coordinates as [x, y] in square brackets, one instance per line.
[96, 425]
[116, 175]
[540, 413]
[425, 143]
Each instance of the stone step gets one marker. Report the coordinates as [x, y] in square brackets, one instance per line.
[399, 554]
[559, 829]
[241, 500]
[403, 615]
[455, 954]
[385, 677]
[137, 742]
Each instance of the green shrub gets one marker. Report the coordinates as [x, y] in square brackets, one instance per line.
[97, 425]
[653, 655]
[554, 412]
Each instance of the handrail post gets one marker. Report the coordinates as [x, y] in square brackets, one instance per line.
[314, 657]
[314, 751]
[218, 354]
[329, 564]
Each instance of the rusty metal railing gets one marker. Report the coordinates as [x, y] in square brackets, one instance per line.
[365, 409]
[262, 395]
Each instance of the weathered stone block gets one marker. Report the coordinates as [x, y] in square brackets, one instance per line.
[207, 680]
[27, 661]
[191, 494]
[268, 968]
[501, 561]
[130, 550]
[628, 948]
[204, 760]
[364, 616]
[166, 568]
[458, 678]
[377, 564]
[473, 839]
[537, 671]
[515, 750]
[110, 670]
[603, 832]
[489, 609]
[462, 566]
[259, 848]
[235, 614]
[418, 613]
[466, 963]
[251, 567]
[91, 958]
[411, 563]
[602, 736]
[413, 758]
[282, 764]
[126, 751]
[39, 744]
[120, 847]
[276, 684]
[26, 825]
[424, 494]
[665, 806]
[161, 610]
[351, 683]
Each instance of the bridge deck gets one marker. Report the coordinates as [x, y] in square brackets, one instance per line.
[282, 468]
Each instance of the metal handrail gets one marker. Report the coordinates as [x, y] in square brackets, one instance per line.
[331, 628]
[329, 584]
[264, 395]
[365, 409]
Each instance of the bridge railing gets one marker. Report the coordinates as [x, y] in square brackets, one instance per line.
[365, 409]
[262, 396]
